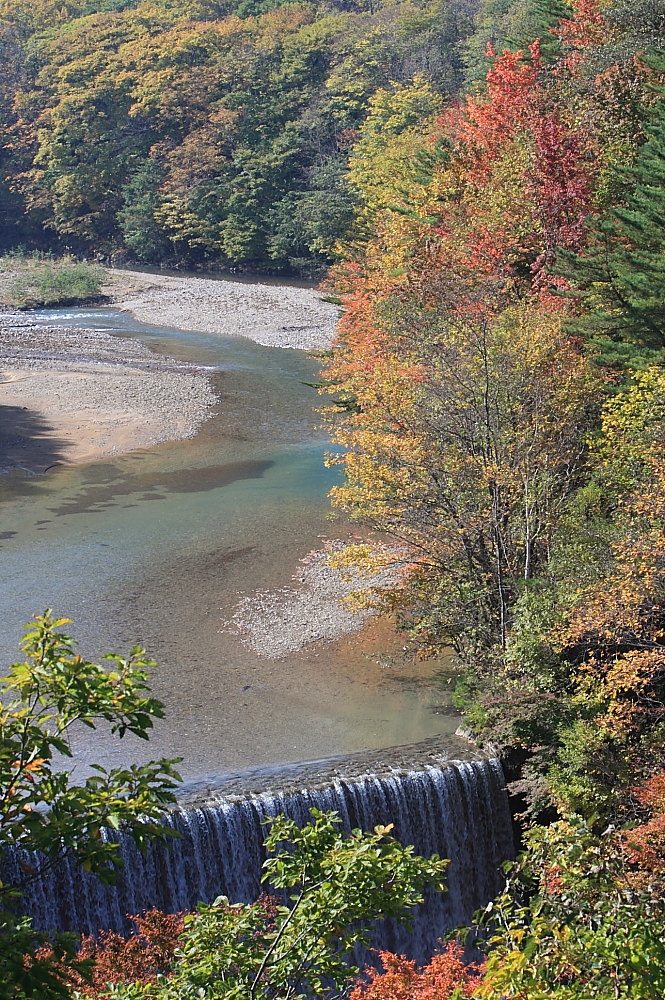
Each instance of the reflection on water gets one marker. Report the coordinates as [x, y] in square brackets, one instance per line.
[157, 546]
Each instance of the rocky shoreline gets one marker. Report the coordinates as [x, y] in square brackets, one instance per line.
[314, 609]
[69, 395]
[271, 314]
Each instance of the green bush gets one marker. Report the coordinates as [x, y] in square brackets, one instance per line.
[36, 280]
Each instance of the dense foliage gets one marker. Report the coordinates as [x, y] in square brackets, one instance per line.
[498, 366]
[336, 883]
[41, 809]
[202, 131]
[499, 414]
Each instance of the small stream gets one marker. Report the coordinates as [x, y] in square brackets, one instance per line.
[157, 546]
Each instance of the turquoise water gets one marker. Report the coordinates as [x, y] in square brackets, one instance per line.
[157, 546]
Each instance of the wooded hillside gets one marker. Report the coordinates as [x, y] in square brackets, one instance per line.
[202, 131]
[499, 378]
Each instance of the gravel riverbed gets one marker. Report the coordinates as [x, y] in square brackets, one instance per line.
[271, 314]
[315, 609]
[71, 395]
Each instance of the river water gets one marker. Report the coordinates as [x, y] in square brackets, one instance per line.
[156, 547]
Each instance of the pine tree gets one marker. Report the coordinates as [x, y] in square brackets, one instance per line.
[620, 275]
[512, 24]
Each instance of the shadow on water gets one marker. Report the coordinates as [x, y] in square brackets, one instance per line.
[151, 487]
[28, 444]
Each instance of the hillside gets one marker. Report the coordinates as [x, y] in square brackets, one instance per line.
[203, 131]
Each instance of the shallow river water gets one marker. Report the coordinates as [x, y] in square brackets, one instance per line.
[157, 546]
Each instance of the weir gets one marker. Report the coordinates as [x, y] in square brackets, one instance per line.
[457, 808]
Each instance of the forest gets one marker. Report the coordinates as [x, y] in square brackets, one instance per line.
[499, 380]
[201, 131]
[484, 187]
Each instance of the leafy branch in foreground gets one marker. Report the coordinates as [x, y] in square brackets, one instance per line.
[577, 922]
[336, 883]
[41, 809]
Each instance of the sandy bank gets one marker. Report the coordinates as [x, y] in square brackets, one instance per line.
[70, 395]
[272, 315]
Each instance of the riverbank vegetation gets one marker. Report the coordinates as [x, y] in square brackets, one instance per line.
[34, 280]
[500, 380]
[499, 370]
[46, 814]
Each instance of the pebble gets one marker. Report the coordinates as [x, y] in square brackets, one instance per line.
[167, 399]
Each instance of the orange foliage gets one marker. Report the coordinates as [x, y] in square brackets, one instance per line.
[430, 313]
[618, 625]
[645, 845]
[626, 609]
[513, 97]
[400, 980]
[148, 952]
[584, 29]
[525, 172]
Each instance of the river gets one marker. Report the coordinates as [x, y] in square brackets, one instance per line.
[157, 546]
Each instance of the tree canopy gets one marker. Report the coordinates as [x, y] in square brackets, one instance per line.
[197, 131]
[498, 375]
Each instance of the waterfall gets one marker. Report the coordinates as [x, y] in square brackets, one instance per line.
[457, 809]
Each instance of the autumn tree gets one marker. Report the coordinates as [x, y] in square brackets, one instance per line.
[384, 160]
[571, 926]
[615, 635]
[467, 440]
[447, 977]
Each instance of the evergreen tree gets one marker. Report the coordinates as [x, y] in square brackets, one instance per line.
[141, 233]
[620, 276]
[512, 24]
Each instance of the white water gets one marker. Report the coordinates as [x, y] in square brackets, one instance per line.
[459, 811]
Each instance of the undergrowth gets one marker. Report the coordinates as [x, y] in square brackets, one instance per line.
[32, 280]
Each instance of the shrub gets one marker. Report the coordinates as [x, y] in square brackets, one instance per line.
[36, 280]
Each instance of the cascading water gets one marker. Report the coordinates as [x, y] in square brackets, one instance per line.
[457, 809]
